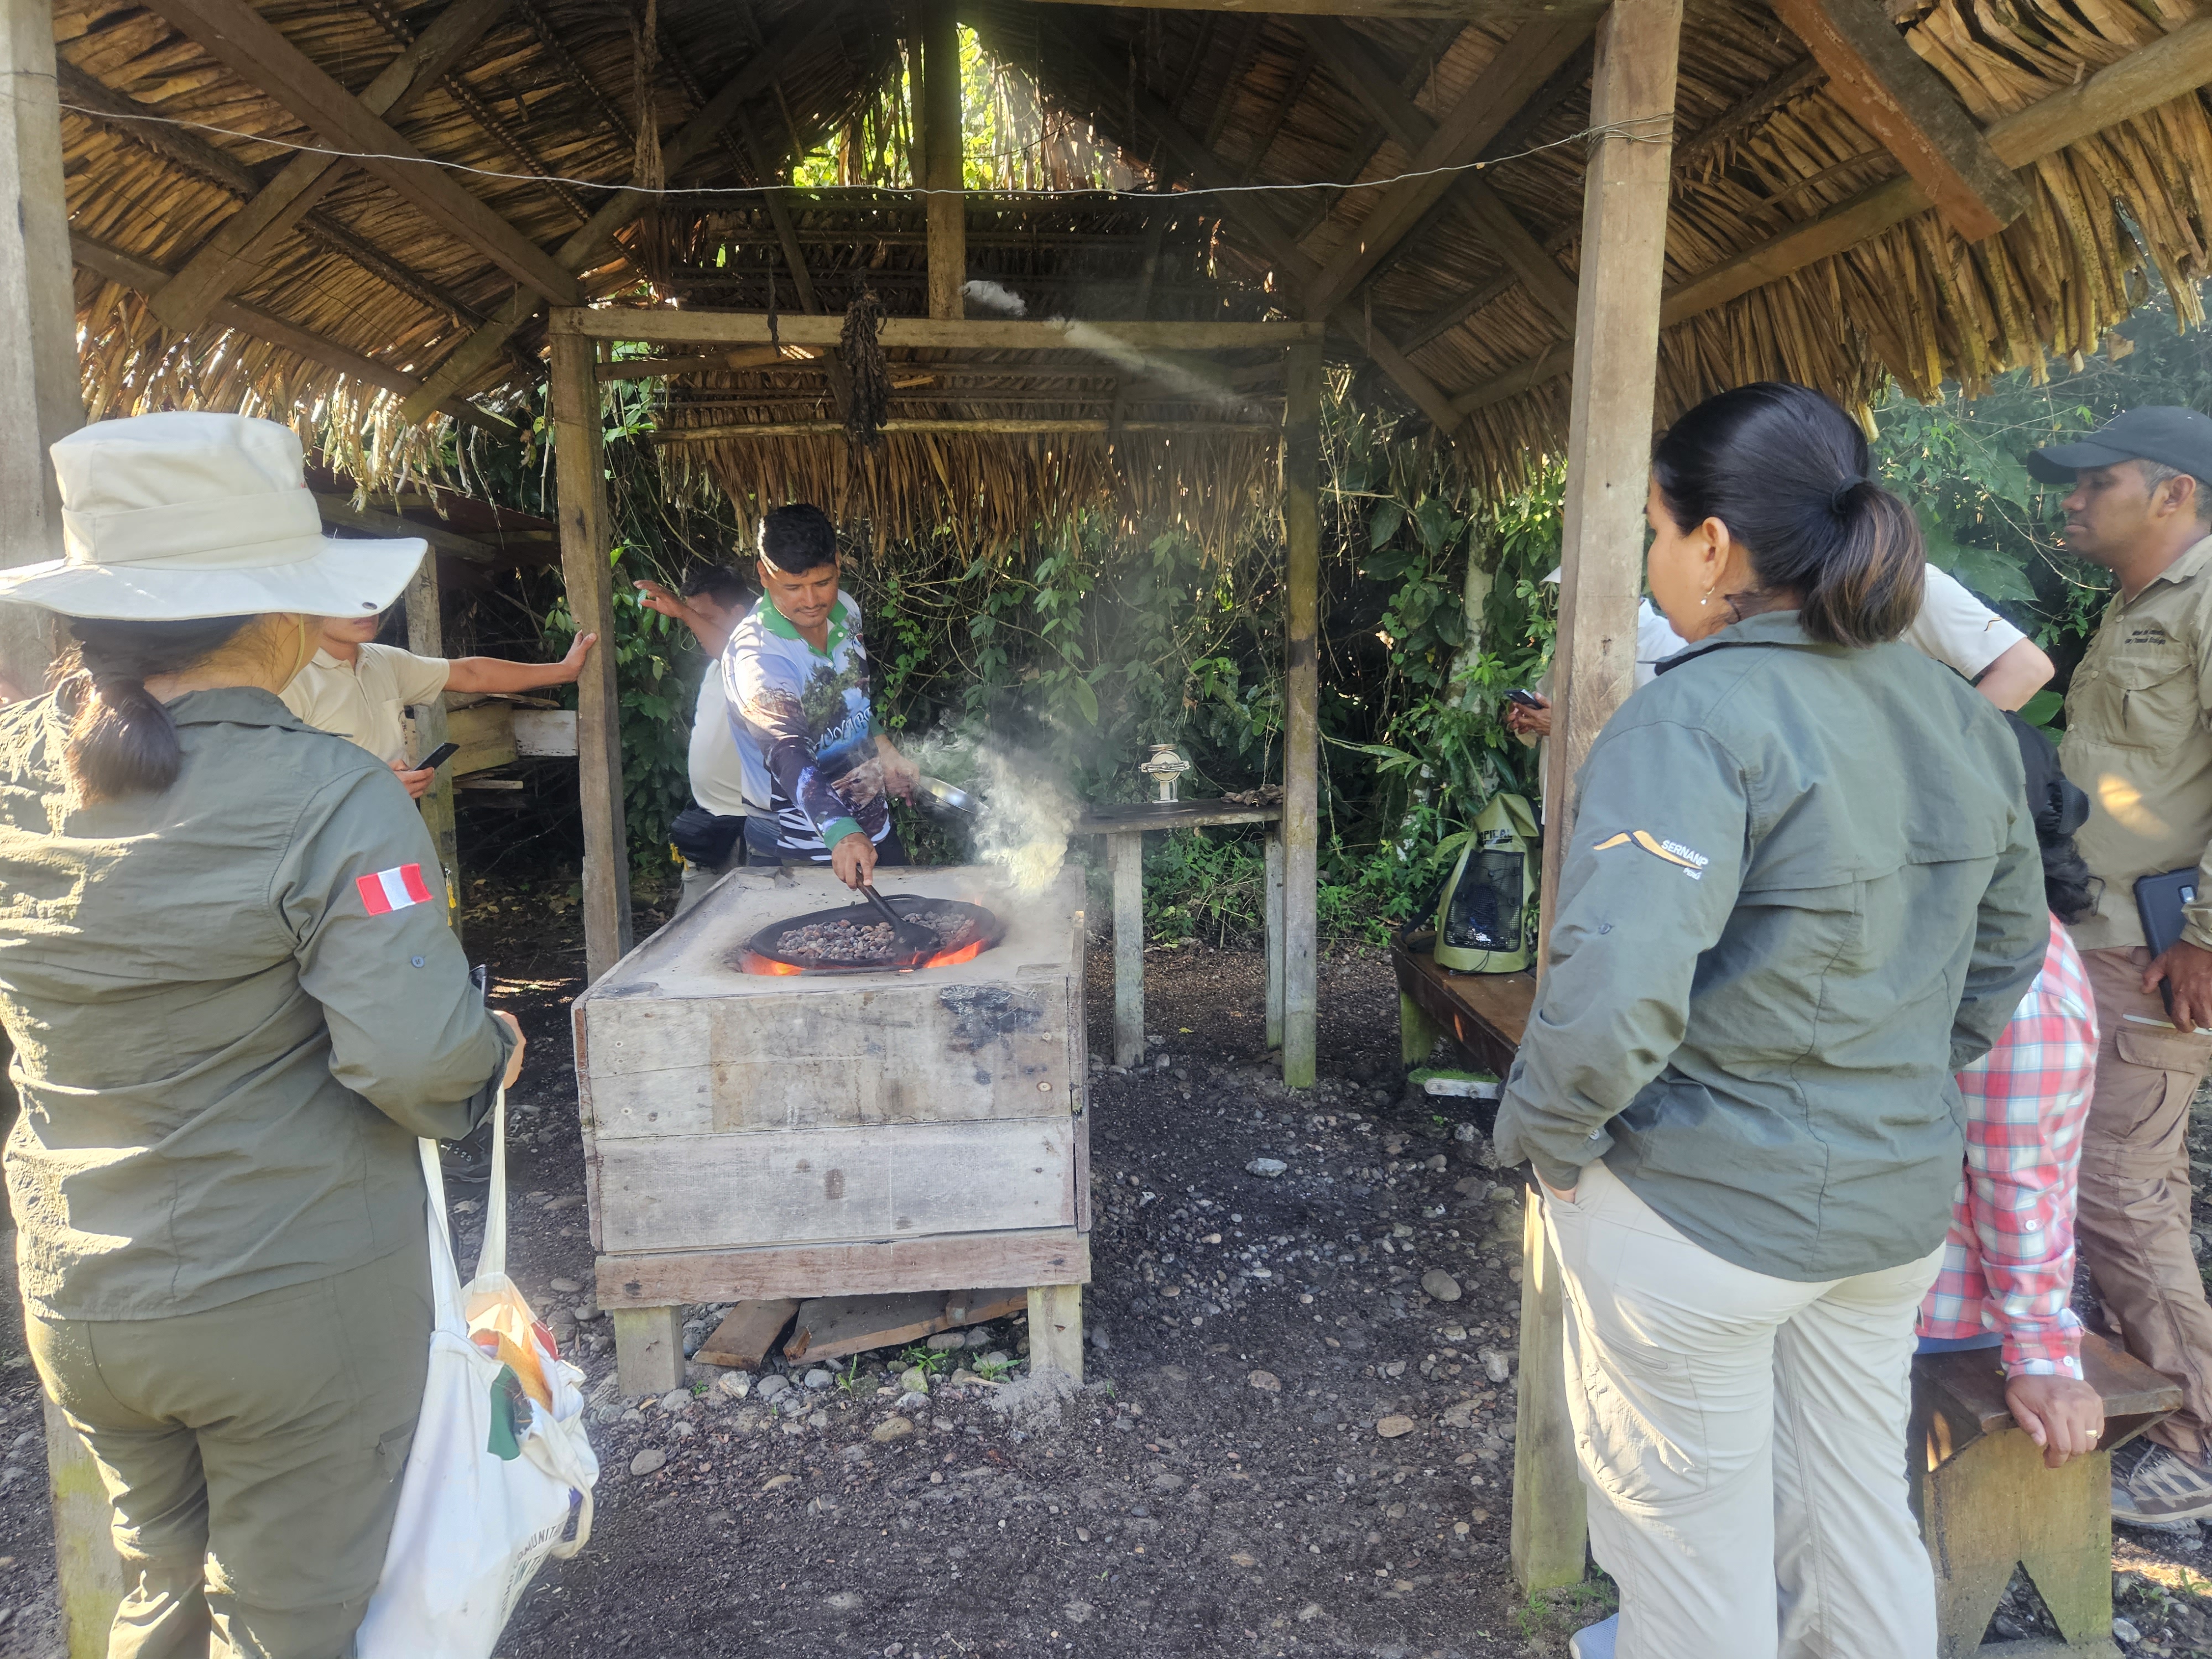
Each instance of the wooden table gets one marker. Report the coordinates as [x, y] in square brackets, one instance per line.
[1124, 827]
[1484, 1013]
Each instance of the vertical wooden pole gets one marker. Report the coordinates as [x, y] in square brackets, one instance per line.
[1594, 662]
[1056, 1329]
[579, 460]
[41, 400]
[1125, 856]
[426, 637]
[941, 157]
[40, 395]
[1302, 701]
[1274, 935]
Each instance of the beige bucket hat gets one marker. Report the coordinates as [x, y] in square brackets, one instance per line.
[169, 517]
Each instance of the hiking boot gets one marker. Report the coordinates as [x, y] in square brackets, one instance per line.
[2160, 1486]
[1595, 1641]
[467, 1162]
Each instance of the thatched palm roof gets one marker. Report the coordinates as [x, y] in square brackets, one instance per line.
[1468, 315]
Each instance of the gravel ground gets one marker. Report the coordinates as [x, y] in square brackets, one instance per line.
[1295, 1436]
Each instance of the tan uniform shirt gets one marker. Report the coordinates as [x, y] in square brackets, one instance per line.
[2138, 743]
[365, 700]
[233, 1009]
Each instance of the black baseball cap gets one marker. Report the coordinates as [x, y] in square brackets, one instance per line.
[2179, 438]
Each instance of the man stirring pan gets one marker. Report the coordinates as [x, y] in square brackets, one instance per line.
[2138, 743]
[796, 675]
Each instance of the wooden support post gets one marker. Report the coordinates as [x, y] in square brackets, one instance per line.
[1417, 1039]
[41, 401]
[1056, 1329]
[1302, 698]
[426, 637]
[40, 398]
[1125, 856]
[1274, 935]
[1594, 662]
[1549, 1526]
[579, 454]
[648, 1349]
[942, 158]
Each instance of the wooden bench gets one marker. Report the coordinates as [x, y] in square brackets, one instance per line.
[1483, 1014]
[1987, 1505]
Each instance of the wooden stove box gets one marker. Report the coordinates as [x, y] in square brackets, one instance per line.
[750, 1136]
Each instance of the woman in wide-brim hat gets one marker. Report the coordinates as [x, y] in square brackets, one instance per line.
[234, 1005]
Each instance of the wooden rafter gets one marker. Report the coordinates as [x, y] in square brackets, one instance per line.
[1906, 104]
[1457, 140]
[237, 36]
[144, 125]
[582, 250]
[1293, 89]
[1247, 42]
[251, 238]
[1199, 163]
[500, 131]
[1442, 38]
[2146, 77]
[1350, 57]
[118, 266]
[1464, 9]
[575, 74]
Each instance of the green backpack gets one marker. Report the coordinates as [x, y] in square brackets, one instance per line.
[1485, 922]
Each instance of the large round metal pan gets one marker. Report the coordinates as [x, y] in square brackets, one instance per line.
[989, 930]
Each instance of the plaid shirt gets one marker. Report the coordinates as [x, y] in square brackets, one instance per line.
[2008, 1262]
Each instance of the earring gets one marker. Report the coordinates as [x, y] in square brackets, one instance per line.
[1705, 601]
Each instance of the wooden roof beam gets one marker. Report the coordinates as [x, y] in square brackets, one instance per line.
[582, 250]
[1347, 52]
[237, 36]
[1468, 8]
[1208, 170]
[245, 244]
[118, 266]
[1910, 110]
[142, 124]
[2166, 69]
[1521, 68]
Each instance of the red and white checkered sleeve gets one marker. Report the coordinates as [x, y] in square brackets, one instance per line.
[2026, 1103]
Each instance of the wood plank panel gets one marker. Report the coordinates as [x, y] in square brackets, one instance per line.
[867, 1267]
[715, 1192]
[904, 1054]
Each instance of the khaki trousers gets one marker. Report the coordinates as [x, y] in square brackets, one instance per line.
[252, 1454]
[2132, 1224]
[1742, 1438]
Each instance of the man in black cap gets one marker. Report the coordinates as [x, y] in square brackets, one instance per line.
[2137, 742]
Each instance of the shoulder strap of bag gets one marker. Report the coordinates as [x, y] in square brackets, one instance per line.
[445, 1270]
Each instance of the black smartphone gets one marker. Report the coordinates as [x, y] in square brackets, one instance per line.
[480, 976]
[438, 757]
[1526, 698]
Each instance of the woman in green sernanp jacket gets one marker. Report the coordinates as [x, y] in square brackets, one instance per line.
[1803, 889]
[234, 1002]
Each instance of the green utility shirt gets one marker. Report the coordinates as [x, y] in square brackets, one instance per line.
[2138, 744]
[231, 1016]
[1802, 890]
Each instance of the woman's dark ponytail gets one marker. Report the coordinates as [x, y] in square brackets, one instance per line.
[122, 741]
[1786, 471]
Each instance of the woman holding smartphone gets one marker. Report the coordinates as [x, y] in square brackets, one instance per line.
[1802, 890]
[234, 1005]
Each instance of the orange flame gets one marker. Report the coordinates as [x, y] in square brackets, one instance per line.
[759, 964]
[966, 952]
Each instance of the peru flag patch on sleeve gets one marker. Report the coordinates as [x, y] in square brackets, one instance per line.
[392, 890]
